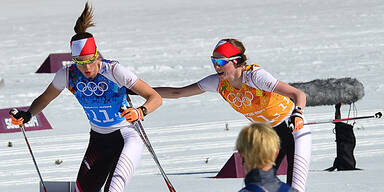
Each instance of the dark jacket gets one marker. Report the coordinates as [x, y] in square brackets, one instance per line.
[258, 180]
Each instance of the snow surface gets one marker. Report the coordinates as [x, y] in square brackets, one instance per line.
[168, 43]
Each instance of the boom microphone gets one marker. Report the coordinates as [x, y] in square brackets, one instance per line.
[331, 91]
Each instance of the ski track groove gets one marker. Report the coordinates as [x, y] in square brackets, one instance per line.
[168, 143]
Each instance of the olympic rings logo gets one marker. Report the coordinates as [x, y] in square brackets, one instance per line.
[239, 99]
[92, 88]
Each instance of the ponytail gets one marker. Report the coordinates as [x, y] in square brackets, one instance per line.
[83, 23]
[83, 43]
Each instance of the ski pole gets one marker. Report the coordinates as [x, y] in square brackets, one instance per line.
[377, 115]
[140, 129]
[14, 111]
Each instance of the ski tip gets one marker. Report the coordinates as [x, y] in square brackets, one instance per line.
[378, 115]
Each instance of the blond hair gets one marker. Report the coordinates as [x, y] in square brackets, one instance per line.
[258, 144]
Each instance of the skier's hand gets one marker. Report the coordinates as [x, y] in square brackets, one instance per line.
[296, 120]
[132, 114]
[19, 117]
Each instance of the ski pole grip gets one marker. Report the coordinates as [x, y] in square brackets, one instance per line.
[291, 126]
[122, 108]
[128, 92]
[378, 115]
[13, 111]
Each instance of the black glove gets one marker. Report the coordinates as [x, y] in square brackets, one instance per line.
[20, 117]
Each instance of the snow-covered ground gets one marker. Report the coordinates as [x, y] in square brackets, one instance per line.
[168, 43]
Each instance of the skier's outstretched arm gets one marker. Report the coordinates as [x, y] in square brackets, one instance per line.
[177, 92]
[44, 99]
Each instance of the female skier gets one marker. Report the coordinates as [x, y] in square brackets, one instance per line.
[260, 97]
[114, 148]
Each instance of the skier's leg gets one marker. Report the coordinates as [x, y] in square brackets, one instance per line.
[98, 161]
[128, 160]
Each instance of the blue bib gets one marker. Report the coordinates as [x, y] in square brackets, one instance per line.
[100, 97]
